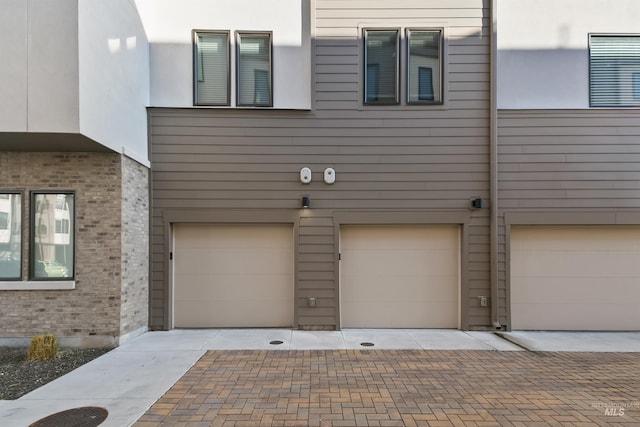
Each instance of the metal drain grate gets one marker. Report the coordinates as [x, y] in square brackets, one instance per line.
[87, 416]
[367, 344]
[276, 342]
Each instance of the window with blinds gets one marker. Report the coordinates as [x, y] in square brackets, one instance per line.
[211, 68]
[381, 62]
[254, 70]
[614, 70]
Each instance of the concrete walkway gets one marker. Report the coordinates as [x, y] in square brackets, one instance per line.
[129, 379]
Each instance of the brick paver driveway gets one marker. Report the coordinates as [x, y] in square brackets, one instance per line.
[403, 388]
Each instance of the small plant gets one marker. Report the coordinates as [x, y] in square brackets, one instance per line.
[43, 347]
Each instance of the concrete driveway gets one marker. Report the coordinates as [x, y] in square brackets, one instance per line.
[213, 377]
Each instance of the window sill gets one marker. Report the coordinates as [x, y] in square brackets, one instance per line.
[38, 285]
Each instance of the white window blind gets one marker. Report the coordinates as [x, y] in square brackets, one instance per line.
[614, 63]
[211, 68]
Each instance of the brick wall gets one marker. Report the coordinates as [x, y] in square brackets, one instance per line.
[134, 309]
[91, 312]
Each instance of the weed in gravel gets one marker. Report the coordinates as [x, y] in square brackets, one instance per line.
[19, 376]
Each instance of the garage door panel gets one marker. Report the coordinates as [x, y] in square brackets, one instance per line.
[399, 276]
[236, 286]
[575, 278]
[576, 238]
[233, 275]
[581, 263]
[419, 263]
[268, 261]
[570, 290]
[196, 313]
[385, 315]
[587, 317]
[432, 237]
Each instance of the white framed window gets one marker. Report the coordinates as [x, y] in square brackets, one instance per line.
[614, 70]
[52, 244]
[381, 66]
[10, 236]
[424, 66]
[211, 73]
[254, 69]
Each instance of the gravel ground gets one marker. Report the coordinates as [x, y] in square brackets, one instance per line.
[19, 376]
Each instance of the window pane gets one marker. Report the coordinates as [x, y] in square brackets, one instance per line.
[381, 67]
[424, 81]
[212, 68]
[254, 70]
[53, 236]
[613, 62]
[636, 86]
[10, 236]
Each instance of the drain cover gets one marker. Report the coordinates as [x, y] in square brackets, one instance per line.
[367, 344]
[276, 342]
[87, 416]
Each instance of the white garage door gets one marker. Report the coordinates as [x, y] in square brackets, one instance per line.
[233, 275]
[575, 278]
[399, 276]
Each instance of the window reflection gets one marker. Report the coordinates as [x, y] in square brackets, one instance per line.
[10, 236]
[53, 236]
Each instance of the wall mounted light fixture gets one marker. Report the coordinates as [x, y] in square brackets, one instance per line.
[306, 202]
[476, 203]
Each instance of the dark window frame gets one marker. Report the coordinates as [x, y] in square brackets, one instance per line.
[32, 235]
[21, 233]
[238, 70]
[598, 82]
[366, 99]
[440, 69]
[198, 68]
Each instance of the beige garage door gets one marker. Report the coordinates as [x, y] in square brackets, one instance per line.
[233, 275]
[575, 278]
[399, 276]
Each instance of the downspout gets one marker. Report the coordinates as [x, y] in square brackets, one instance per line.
[493, 165]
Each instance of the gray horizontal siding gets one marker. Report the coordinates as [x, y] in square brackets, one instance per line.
[392, 158]
[337, 47]
[568, 159]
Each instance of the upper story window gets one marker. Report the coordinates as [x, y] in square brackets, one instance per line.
[211, 68]
[614, 70]
[423, 65]
[254, 70]
[382, 63]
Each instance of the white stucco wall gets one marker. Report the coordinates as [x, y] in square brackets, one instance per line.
[168, 24]
[13, 72]
[543, 57]
[39, 72]
[75, 66]
[114, 76]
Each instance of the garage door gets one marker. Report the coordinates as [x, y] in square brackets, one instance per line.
[575, 278]
[399, 277]
[233, 275]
